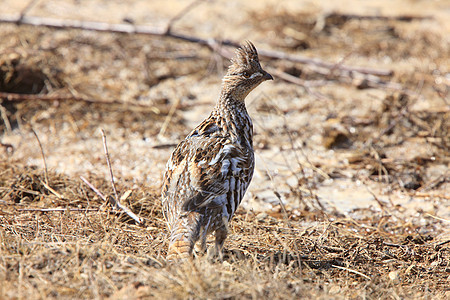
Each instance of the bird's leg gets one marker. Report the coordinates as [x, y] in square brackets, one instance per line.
[200, 248]
[221, 235]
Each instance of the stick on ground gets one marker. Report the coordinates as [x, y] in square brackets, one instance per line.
[105, 147]
[113, 200]
[42, 153]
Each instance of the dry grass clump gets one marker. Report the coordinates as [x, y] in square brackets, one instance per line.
[60, 241]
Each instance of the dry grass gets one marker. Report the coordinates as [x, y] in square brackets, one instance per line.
[59, 240]
[86, 251]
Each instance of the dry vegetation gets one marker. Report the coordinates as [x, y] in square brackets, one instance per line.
[387, 135]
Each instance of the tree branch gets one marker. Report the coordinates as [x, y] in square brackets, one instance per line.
[211, 43]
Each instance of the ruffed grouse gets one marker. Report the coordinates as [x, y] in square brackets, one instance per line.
[210, 170]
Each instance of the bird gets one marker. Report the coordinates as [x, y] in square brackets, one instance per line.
[209, 171]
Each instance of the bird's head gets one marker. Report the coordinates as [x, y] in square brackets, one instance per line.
[245, 73]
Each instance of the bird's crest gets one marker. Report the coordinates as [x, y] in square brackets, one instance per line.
[245, 57]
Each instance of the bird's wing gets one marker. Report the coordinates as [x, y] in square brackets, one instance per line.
[200, 169]
[211, 170]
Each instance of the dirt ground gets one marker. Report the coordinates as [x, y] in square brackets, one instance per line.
[350, 197]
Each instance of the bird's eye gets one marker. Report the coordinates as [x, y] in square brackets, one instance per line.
[246, 74]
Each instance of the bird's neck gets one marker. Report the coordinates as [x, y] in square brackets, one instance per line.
[234, 119]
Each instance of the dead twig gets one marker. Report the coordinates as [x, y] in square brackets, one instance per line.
[434, 183]
[14, 97]
[49, 188]
[302, 170]
[169, 117]
[42, 154]
[113, 202]
[93, 188]
[116, 205]
[405, 18]
[164, 146]
[352, 271]
[380, 202]
[438, 218]
[111, 176]
[365, 80]
[442, 243]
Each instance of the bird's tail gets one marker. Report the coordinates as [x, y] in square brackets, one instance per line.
[179, 250]
[181, 243]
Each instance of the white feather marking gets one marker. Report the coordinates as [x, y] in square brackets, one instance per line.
[225, 150]
[234, 167]
[225, 167]
[257, 74]
[232, 187]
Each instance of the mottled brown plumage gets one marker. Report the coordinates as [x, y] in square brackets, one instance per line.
[210, 170]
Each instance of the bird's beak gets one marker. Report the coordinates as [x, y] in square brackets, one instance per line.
[267, 76]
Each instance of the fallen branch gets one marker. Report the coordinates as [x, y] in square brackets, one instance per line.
[129, 105]
[166, 32]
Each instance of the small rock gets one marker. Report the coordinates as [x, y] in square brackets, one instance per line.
[261, 217]
[393, 275]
